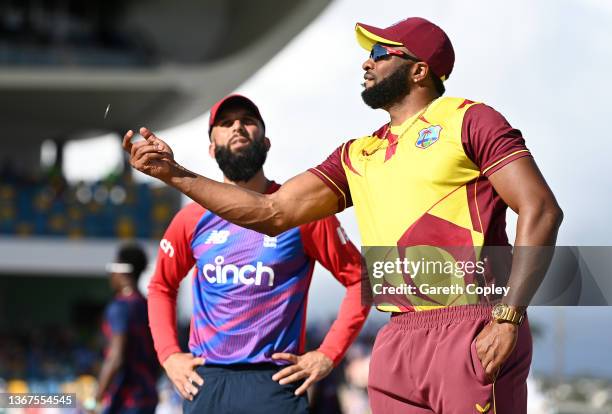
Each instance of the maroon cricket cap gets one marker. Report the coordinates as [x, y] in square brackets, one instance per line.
[237, 99]
[423, 38]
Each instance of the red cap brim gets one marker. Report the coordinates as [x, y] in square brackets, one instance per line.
[214, 111]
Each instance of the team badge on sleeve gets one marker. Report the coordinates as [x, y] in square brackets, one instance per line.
[428, 136]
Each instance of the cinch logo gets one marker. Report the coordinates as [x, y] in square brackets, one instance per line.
[218, 273]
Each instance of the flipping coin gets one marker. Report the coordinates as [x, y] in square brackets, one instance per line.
[106, 112]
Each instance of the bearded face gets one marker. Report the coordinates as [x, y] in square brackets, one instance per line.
[241, 164]
[389, 90]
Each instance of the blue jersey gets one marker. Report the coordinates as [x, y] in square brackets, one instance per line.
[135, 384]
[250, 290]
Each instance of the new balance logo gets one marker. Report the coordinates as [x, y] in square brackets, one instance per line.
[217, 237]
[269, 241]
[246, 275]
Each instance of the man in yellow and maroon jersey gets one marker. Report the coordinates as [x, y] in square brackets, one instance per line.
[441, 173]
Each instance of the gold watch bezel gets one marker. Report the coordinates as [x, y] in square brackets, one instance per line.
[504, 313]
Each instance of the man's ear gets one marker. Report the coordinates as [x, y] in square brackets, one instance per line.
[267, 143]
[211, 149]
[420, 70]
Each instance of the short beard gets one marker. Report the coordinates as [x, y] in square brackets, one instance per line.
[388, 91]
[242, 165]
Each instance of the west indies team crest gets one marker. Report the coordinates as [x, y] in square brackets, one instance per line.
[428, 136]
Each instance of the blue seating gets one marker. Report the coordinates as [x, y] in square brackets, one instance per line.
[49, 207]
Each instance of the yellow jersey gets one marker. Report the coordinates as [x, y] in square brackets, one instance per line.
[425, 182]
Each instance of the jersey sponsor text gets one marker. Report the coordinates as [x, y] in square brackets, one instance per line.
[219, 272]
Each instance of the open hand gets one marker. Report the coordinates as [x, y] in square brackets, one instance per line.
[313, 365]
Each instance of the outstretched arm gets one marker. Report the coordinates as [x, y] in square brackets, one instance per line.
[302, 199]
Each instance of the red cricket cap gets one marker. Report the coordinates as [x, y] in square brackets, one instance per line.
[237, 99]
[423, 38]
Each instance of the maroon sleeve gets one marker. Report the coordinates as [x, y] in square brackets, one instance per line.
[174, 260]
[489, 140]
[325, 241]
[333, 175]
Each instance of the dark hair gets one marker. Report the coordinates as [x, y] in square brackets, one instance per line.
[438, 84]
[133, 254]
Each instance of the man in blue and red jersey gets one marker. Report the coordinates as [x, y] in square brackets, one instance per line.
[249, 290]
[128, 377]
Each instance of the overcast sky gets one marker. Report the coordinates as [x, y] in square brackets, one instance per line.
[543, 64]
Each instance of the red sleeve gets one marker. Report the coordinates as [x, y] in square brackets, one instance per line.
[333, 175]
[489, 140]
[174, 260]
[326, 242]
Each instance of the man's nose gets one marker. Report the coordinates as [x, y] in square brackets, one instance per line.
[238, 125]
[368, 64]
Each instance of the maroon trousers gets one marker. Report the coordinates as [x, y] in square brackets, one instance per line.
[426, 362]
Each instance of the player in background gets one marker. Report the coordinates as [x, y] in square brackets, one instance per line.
[250, 290]
[128, 377]
[441, 173]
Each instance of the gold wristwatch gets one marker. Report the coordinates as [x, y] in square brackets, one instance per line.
[504, 313]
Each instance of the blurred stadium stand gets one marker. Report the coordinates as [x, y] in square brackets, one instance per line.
[47, 205]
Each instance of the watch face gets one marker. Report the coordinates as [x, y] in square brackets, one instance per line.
[498, 311]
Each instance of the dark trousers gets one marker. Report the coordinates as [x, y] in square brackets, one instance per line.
[244, 388]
